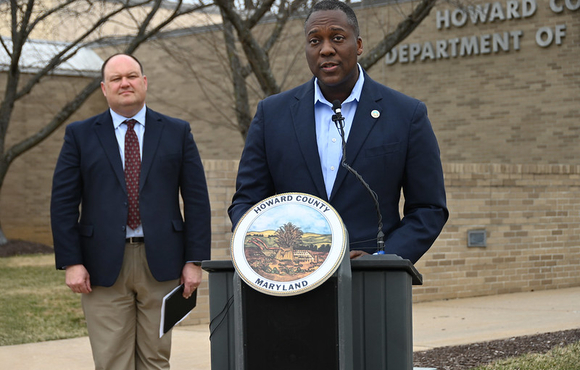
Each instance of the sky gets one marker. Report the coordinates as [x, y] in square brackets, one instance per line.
[306, 218]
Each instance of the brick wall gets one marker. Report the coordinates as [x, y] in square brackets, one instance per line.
[514, 106]
[531, 215]
[519, 105]
[25, 194]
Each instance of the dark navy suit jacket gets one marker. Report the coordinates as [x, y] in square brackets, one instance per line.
[89, 174]
[398, 150]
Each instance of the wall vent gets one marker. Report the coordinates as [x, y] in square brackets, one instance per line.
[476, 238]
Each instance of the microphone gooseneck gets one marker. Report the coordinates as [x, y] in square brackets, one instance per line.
[338, 120]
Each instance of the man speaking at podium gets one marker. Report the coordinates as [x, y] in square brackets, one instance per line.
[293, 145]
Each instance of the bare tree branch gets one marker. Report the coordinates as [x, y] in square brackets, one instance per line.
[71, 49]
[48, 13]
[281, 21]
[22, 25]
[255, 54]
[258, 56]
[65, 113]
[183, 57]
[259, 13]
[403, 30]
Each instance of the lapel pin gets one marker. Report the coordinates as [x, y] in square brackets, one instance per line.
[375, 113]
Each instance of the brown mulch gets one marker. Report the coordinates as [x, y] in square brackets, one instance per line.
[17, 247]
[462, 357]
[477, 354]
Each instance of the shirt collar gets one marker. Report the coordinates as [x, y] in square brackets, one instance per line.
[118, 119]
[354, 94]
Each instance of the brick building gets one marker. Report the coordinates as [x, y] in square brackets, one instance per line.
[501, 81]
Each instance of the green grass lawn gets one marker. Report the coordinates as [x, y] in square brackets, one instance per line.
[35, 304]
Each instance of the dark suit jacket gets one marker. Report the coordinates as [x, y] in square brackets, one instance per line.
[89, 173]
[396, 151]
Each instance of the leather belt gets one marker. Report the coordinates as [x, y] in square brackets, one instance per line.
[135, 240]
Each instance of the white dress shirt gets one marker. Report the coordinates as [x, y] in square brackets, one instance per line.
[327, 135]
[120, 131]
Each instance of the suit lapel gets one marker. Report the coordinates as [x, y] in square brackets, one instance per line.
[105, 132]
[303, 120]
[362, 125]
[153, 128]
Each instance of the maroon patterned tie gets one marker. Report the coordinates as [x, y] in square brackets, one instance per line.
[132, 172]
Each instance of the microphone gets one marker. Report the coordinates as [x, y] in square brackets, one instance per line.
[338, 120]
[336, 108]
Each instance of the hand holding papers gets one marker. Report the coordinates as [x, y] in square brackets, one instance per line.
[175, 308]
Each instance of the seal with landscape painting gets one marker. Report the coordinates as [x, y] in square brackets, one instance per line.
[288, 244]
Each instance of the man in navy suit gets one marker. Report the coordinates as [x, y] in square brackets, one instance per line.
[294, 146]
[123, 272]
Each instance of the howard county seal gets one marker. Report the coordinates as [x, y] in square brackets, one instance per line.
[288, 244]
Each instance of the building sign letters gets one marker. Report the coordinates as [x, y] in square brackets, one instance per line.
[510, 10]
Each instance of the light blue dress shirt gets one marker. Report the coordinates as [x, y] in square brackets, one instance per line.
[120, 131]
[327, 135]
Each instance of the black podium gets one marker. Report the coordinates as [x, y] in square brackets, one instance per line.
[359, 318]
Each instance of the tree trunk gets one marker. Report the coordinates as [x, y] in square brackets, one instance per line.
[242, 105]
[3, 170]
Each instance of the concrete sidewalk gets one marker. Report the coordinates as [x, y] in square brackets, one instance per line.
[435, 324]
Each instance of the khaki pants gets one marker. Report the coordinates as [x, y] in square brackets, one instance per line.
[123, 320]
